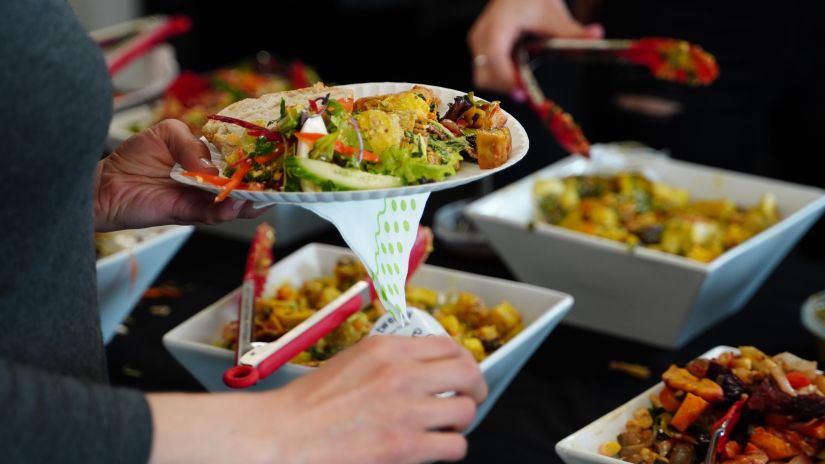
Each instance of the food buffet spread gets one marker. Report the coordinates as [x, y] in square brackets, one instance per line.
[288, 132]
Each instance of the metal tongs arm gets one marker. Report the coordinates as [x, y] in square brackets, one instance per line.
[722, 429]
[566, 132]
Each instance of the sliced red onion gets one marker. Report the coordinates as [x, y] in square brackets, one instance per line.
[254, 129]
[360, 139]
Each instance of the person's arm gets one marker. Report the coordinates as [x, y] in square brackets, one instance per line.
[47, 417]
[495, 32]
[373, 402]
[133, 188]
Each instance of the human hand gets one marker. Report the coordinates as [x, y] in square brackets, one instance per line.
[133, 188]
[502, 23]
[373, 402]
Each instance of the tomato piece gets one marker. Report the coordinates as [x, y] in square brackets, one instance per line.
[347, 103]
[308, 137]
[352, 151]
[798, 379]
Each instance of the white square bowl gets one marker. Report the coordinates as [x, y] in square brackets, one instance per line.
[118, 291]
[193, 343]
[645, 295]
[582, 447]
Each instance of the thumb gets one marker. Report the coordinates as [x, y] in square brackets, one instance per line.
[593, 31]
[185, 149]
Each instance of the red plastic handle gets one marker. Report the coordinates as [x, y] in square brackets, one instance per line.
[240, 376]
[243, 376]
[309, 337]
[175, 25]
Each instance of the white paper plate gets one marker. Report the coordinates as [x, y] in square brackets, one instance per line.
[469, 172]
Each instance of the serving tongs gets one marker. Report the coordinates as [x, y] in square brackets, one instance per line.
[125, 42]
[256, 361]
[722, 429]
[560, 124]
[666, 58]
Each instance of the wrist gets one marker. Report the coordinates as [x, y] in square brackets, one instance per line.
[222, 427]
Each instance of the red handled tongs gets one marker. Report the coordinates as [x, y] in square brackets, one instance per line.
[566, 132]
[256, 361]
[722, 429]
[666, 58]
[123, 43]
[258, 262]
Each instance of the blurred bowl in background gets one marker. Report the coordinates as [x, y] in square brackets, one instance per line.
[457, 233]
[641, 294]
[132, 261]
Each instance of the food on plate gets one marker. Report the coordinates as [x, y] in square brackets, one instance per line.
[466, 318]
[192, 97]
[774, 408]
[323, 139]
[630, 208]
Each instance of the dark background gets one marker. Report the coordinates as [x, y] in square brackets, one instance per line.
[764, 115]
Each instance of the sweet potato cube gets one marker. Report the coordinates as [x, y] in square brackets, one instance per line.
[691, 408]
[772, 443]
[493, 147]
[679, 378]
[669, 400]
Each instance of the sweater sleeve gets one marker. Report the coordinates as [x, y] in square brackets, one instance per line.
[46, 417]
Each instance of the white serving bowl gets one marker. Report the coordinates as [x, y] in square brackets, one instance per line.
[118, 290]
[645, 295]
[582, 447]
[193, 343]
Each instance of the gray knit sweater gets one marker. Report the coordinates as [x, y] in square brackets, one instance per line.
[55, 105]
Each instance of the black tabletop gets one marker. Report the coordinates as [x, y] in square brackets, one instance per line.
[565, 385]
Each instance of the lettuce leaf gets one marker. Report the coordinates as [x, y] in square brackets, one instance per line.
[399, 162]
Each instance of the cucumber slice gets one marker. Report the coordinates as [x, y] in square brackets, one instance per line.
[331, 177]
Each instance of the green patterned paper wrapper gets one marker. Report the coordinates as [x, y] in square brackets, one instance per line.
[381, 232]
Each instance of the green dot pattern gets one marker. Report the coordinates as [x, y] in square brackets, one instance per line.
[395, 230]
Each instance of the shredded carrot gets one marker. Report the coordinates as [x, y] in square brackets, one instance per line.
[233, 183]
[208, 178]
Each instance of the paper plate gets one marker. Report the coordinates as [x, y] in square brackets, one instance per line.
[469, 172]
